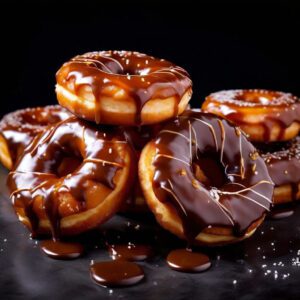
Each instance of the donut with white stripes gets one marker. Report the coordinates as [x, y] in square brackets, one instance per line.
[204, 181]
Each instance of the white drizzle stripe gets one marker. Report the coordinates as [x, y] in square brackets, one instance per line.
[195, 136]
[89, 61]
[98, 160]
[31, 173]
[172, 157]
[253, 191]
[174, 132]
[223, 137]
[210, 127]
[245, 189]
[175, 197]
[242, 166]
[252, 200]
[190, 144]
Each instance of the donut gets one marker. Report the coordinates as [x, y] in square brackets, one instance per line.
[123, 88]
[138, 137]
[71, 178]
[204, 181]
[283, 162]
[266, 116]
[18, 128]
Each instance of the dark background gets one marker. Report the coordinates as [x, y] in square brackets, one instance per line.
[223, 44]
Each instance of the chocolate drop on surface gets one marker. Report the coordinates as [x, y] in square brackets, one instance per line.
[187, 261]
[281, 213]
[116, 273]
[130, 252]
[62, 250]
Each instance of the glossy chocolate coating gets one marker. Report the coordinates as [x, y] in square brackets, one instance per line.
[235, 105]
[37, 176]
[235, 193]
[277, 214]
[141, 76]
[283, 162]
[184, 260]
[61, 250]
[130, 252]
[138, 137]
[116, 273]
[20, 127]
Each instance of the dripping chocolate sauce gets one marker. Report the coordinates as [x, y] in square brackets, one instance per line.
[142, 77]
[34, 177]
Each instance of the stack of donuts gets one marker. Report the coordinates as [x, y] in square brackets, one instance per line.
[271, 119]
[123, 133]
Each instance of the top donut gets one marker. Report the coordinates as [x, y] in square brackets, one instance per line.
[123, 88]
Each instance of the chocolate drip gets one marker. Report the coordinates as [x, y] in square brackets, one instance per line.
[142, 78]
[20, 127]
[245, 190]
[276, 107]
[283, 162]
[36, 179]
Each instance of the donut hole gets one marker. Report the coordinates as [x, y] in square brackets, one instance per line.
[68, 161]
[255, 97]
[40, 119]
[68, 165]
[209, 171]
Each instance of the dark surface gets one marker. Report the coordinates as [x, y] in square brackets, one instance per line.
[254, 269]
[224, 44]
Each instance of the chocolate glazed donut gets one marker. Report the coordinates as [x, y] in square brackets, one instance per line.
[71, 178]
[204, 180]
[123, 88]
[18, 129]
[283, 162]
[266, 116]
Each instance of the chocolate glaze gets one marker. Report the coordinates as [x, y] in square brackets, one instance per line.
[130, 252]
[62, 250]
[246, 190]
[137, 137]
[36, 176]
[20, 127]
[235, 105]
[276, 214]
[185, 260]
[143, 77]
[283, 162]
[116, 273]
